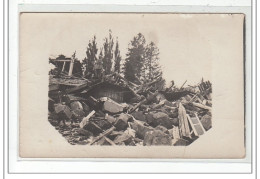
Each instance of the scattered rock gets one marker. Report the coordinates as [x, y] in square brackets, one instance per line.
[76, 105]
[173, 114]
[121, 122]
[113, 107]
[103, 124]
[175, 121]
[150, 120]
[139, 115]
[156, 137]
[160, 97]
[77, 109]
[63, 111]
[94, 128]
[126, 138]
[84, 132]
[168, 103]
[110, 119]
[155, 116]
[130, 132]
[144, 107]
[114, 134]
[140, 129]
[206, 122]
[163, 129]
[159, 118]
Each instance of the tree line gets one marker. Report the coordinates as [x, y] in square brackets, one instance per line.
[140, 65]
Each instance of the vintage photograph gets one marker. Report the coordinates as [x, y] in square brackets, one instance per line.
[131, 80]
[113, 95]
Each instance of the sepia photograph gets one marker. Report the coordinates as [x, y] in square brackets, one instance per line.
[132, 84]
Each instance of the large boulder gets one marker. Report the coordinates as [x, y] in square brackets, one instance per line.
[93, 128]
[125, 137]
[157, 137]
[113, 107]
[77, 109]
[206, 122]
[159, 118]
[140, 129]
[162, 128]
[76, 105]
[63, 111]
[139, 115]
[122, 120]
[103, 124]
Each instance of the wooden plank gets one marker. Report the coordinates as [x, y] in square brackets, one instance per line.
[86, 119]
[200, 123]
[183, 84]
[196, 125]
[62, 60]
[104, 134]
[109, 141]
[77, 88]
[175, 132]
[183, 121]
[202, 106]
[192, 126]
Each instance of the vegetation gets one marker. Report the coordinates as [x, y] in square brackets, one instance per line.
[141, 64]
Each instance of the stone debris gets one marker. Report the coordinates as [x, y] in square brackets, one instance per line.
[144, 116]
[113, 107]
[157, 137]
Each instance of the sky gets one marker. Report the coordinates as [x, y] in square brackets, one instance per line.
[188, 43]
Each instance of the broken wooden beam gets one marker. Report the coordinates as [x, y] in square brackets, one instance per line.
[109, 141]
[149, 98]
[85, 120]
[77, 88]
[183, 122]
[196, 125]
[183, 84]
[104, 134]
[192, 126]
[202, 106]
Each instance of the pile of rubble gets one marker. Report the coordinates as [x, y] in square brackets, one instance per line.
[114, 111]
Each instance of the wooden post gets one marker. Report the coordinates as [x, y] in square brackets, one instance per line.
[71, 67]
[63, 67]
[183, 84]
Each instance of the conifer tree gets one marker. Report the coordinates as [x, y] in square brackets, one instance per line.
[135, 58]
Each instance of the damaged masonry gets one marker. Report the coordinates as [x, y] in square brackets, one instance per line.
[114, 111]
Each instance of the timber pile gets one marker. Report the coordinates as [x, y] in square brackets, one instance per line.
[174, 116]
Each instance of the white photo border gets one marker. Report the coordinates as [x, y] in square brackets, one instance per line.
[18, 165]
